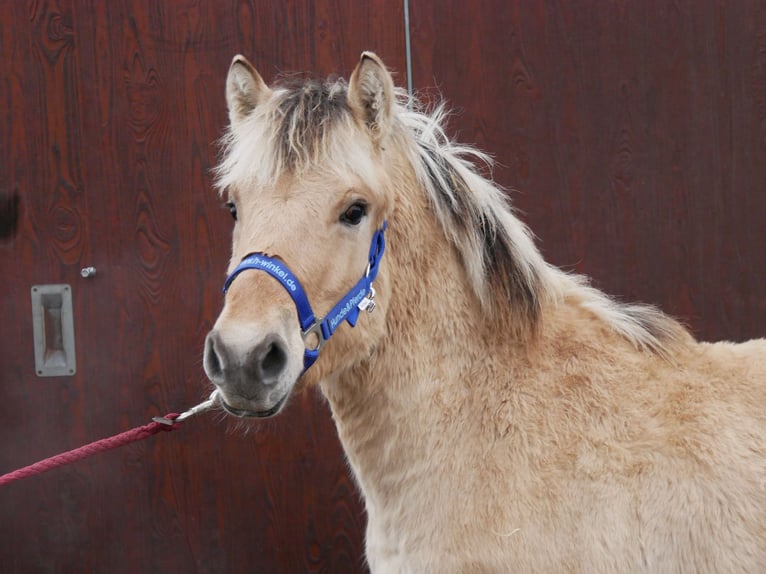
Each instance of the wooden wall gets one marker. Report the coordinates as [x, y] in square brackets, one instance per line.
[633, 134]
[110, 111]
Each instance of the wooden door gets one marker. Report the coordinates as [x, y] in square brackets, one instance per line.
[110, 112]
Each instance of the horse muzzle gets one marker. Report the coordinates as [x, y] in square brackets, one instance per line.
[254, 378]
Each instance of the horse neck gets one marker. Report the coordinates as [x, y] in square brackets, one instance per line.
[435, 328]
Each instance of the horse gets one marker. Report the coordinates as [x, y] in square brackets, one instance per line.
[498, 414]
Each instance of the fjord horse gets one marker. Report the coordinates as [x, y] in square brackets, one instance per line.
[499, 414]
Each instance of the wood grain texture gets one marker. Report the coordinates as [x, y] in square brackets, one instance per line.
[111, 111]
[632, 134]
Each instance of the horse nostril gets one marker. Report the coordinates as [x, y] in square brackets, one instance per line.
[269, 359]
[212, 360]
[274, 361]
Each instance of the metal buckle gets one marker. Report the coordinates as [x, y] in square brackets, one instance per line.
[211, 402]
[315, 329]
[202, 407]
[368, 303]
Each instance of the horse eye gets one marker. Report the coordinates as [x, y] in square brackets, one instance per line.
[232, 209]
[354, 214]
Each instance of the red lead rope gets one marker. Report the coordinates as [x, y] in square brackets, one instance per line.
[127, 437]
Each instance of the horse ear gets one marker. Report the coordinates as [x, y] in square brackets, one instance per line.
[371, 94]
[245, 89]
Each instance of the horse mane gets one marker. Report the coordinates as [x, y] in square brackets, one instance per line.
[497, 249]
[302, 126]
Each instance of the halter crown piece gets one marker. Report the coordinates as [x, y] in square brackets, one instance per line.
[359, 298]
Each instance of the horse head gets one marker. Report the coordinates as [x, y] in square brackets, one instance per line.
[304, 178]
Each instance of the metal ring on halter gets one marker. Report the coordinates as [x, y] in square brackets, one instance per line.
[315, 329]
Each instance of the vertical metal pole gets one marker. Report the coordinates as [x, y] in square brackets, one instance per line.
[407, 46]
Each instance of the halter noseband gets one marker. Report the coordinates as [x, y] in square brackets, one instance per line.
[359, 298]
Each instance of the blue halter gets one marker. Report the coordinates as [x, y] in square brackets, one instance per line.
[359, 298]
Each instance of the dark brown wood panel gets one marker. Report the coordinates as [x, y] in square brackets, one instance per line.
[110, 111]
[633, 134]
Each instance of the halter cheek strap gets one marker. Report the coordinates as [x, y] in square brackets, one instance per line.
[359, 298]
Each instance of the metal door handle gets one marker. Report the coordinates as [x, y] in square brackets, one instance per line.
[53, 327]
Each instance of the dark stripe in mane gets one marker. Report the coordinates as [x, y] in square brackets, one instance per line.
[305, 114]
[507, 276]
[475, 224]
